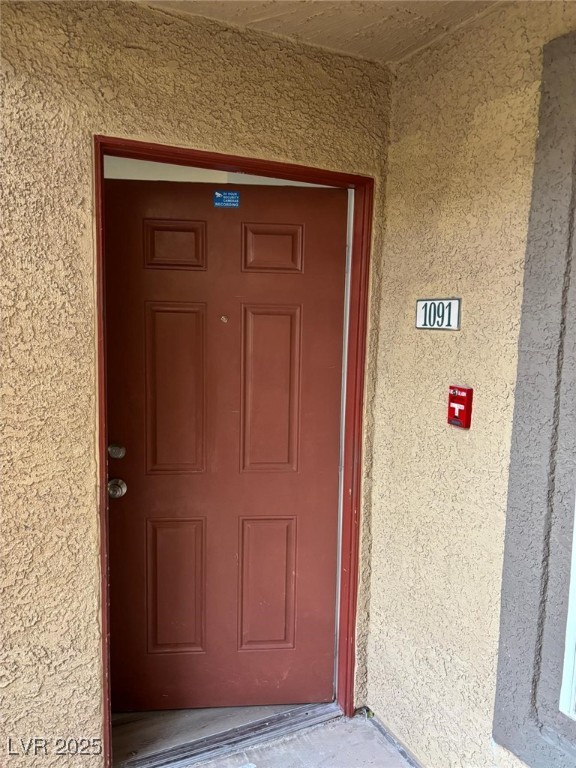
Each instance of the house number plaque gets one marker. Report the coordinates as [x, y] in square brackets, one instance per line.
[438, 314]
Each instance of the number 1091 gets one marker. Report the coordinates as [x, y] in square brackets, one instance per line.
[438, 314]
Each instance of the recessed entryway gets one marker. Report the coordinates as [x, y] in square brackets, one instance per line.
[227, 332]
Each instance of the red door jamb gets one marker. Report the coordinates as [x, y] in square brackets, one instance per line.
[357, 330]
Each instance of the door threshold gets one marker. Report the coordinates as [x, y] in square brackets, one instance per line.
[249, 735]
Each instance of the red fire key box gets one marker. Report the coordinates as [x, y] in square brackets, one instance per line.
[460, 406]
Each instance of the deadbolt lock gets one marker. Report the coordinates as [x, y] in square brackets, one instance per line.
[116, 488]
[116, 451]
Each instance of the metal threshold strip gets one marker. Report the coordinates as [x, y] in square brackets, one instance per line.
[249, 735]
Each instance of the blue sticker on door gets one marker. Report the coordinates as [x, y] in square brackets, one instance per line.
[224, 198]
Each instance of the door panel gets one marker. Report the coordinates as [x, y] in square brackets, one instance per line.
[271, 388]
[175, 588]
[175, 387]
[267, 582]
[224, 336]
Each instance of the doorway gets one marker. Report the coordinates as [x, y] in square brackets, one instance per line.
[224, 331]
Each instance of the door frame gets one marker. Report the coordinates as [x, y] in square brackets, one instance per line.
[363, 187]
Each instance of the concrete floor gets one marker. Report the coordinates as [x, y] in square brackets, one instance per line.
[338, 744]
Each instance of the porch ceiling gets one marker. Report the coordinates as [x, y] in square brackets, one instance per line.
[379, 30]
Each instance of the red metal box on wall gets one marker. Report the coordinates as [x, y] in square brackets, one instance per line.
[460, 406]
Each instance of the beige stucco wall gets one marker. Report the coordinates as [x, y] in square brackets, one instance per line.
[464, 123]
[74, 70]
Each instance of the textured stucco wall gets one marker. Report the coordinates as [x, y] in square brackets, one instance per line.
[464, 126]
[73, 70]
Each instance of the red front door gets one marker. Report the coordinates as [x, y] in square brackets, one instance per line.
[224, 333]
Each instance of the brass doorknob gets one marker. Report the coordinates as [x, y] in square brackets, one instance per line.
[116, 488]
